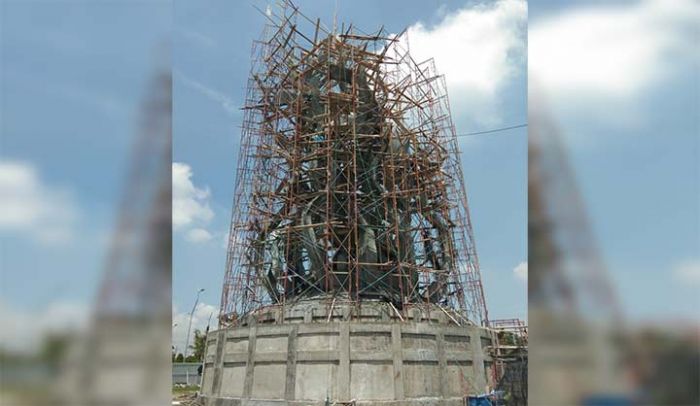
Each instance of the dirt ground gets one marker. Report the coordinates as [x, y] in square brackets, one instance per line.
[186, 399]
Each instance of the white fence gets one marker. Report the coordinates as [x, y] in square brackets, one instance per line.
[186, 373]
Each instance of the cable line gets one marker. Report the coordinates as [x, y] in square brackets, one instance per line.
[492, 131]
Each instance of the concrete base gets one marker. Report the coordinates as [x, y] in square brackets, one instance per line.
[254, 402]
[312, 352]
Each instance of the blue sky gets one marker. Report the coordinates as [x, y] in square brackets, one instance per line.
[625, 97]
[73, 75]
[211, 63]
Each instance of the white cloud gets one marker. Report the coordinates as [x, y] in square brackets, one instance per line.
[190, 204]
[222, 99]
[479, 49]
[520, 271]
[198, 235]
[23, 330]
[596, 56]
[30, 207]
[198, 38]
[688, 272]
[200, 319]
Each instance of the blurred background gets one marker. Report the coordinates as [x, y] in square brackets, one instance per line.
[85, 202]
[614, 202]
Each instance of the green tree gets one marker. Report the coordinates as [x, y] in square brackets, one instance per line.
[54, 349]
[180, 358]
[200, 340]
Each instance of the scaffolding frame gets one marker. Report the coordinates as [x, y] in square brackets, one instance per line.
[349, 185]
[509, 352]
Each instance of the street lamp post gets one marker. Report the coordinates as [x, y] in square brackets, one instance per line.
[189, 327]
[187, 341]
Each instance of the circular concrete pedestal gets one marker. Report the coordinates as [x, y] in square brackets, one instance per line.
[317, 353]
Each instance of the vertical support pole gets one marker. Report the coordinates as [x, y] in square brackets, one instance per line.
[478, 359]
[442, 362]
[218, 363]
[397, 352]
[290, 384]
[344, 364]
[250, 364]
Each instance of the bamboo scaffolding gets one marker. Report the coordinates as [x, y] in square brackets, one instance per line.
[349, 185]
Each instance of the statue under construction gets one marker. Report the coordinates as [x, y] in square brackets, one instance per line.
[351, 273]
